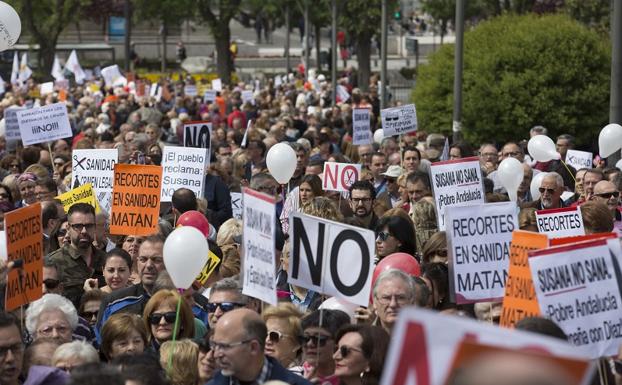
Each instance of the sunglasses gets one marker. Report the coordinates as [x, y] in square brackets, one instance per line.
[383, 236]
[89, 314]
[51, 283]
[80, 226]
[346, 350]
[275, 336]
[204, 346]
[548, 190]
[156, 318]
[224, 306]
[608, 195]
[317, 340]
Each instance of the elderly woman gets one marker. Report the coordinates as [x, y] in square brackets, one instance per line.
[159, 318]
[72, 354]
[228, 239]
[123, 333]
[51, 316]
[360, 354]
[26, 184]
[284, 332]
[184, 370]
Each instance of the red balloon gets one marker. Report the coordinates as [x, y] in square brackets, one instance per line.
[400, 261]
[195, 219]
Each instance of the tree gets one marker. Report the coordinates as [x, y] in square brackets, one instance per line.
[218, 24]
[520, 71]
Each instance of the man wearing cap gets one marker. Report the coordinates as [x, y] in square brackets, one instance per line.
[391, 195]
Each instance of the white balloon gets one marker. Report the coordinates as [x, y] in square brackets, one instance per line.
[185, 254]
[378, 135]
[281, 161]
[10, 26]
[610, 139]
[542, 148]
[535, 185]
[334, 303]
[619, 165]
[511, 173]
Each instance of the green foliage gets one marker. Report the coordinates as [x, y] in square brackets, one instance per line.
[594, 13]
[520, 71]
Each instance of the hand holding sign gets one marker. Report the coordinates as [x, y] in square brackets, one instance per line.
[610, 139]
[510, 173]
[281, 162]
[542, 148]
[185, 254]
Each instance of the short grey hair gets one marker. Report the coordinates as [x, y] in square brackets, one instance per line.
[82, 350]
[50, 302]
[558, 178]
[229, 284]
[392, 274]
[538, 130]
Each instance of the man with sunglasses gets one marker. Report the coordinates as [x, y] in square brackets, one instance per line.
[79, 260]
[606, 192]
[391, 195]
[225, 296]
[551, 189]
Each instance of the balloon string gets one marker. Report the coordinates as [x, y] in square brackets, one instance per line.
[569, 172]
[170, 354]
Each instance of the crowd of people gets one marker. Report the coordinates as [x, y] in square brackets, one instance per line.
[108, 312]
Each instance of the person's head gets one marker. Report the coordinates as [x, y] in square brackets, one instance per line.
[362, 196]
[225, 295]
[49, 216]
[98, 373]
[310, 187]
[394, 234]
[284, 332]
[302, 158]
[81, 218]
[183, 200]
[89, 305]
[40, 353]
[488, 154]
[512, 150]
[459, 151]
[123, 333]
[153, 132]
[418, 186]
[412, 159]
[62, 148]
[183, 356]
[11, 349]
[578, 185]
[45, 189]
[564, 143]
[435, 249]
[26, 183]
[52, 277]
[238, 343]
[391, 176]
[256, 150]
[365, 152]
[5, 194]
[72, 354]
[159, 317]
[318, 339]
[206, 361]
[131, 244]
[541, 325]
[265, 183]
[150, 260]
[51, 316]
[606, 192]
[436, 275]
[392, 291]
[360, 353]
[551, 189]
[378, 165]
[590, 178]
[388, 146]
[596, 217]
[117, 268]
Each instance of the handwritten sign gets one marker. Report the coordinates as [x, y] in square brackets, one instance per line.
[361, 128]
[236, 205]
[399, 120]
[44, 124]
[579, 159]
[212, 262]
[97, 168]
[183, 167]
[209, 96]
[557, 223]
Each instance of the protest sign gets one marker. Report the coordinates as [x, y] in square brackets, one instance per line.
[456, 183]
[97, 168]
[135, 199]
[361, 128]
[11, 126]
[183, 167]
[209, 96]
[340, 176]
[520, 296]
[578, 287]
[208, 269]
[198, 134]
[82, 194]
[217, 84]
[113, 77]
[421, 339]
[236, 205]
[478, 241]
[190, 90]
[46, 88]
[399, 120]
[277, 81]
[24, 242]
[342, 93]
[331, 258]
[579, 159]
[247, 97]
[563, 222]
[259, 255]
[44, 124]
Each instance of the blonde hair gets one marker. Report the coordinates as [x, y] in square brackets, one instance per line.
[40, 171]
[228, 230]
[171, 297]
[324, 208]
[184, 369]
[287, 312]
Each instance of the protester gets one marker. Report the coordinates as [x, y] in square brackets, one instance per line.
[284, 332]
[117, 267]
[159, 318]
[206, 361]
[360, 354]
[178, 359]
[395, 234]
[11, 349]
[51, 316]
[123, 334]
[392, 291]
[72, 354]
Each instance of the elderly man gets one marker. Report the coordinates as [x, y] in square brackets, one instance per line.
[606, 192]
[365, 152]
[224, 296]
[238, 343]
[590, 178]
[11, 350]
[488, 157]
[551, 189]
[393, 290]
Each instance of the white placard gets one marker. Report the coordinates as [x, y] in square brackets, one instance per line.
[421, 339]
[11, 126]
[236, 205]
[579, 159]
[563, 222]
[183, 167]
[44, 124]
[578, 287]
[209, 96]
[478, 244]
[331, 258]
[456, 183]
[190, 90]
[97, 168]
[340, 176]
[198, 134]
[259, 256]
[361, 128]
[277, 81]
[247, 96]
[217, 84]
[46, 88]
[113, 77]
[399, 120]
[342, 93]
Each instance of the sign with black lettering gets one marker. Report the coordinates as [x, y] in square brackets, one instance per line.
[399, 120]
[331, 258]
[44, 124]
[563, 222]
[578, 287]
[579, 159]
[478, 242]
[183, 167]
[361, 128]
[97, 168]
[236, 205]
[198, 134]
[456, 183]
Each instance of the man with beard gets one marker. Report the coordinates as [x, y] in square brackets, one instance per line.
[551, 189]
[362, 197]
[79, 260]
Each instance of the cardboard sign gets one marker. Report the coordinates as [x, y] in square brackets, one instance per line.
[236, 205]
[399, 120]
[198, 134]
[578, 287]
[579, 159]
[208, 269]
[183, 167]
[557, 223]
[97, 168]
[520, 296]
[247, 96]
[217, 85]
[190, 90]
[361, 126]
[421, 339]
[456, 183]
[44, 124]
[24, 241]
[11, 125]
[82, 194]
[259, 254]
[478, 241]
[331, 258]
[135, 199]
[340, 176]
[209, 96]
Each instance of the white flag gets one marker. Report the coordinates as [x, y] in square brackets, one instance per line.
[57, 71]
[15, 70]
[24, 71]
[445, 153]
[73, 65]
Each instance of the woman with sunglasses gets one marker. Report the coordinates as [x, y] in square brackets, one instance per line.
[360, 354]
[59, 235]
[159, 318]
[123, 333]
[207, 360]
[435, 249]
[394, 234]
[284, 331]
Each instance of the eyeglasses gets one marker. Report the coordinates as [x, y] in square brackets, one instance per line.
[15, 349]
[361, 200]
[400, 299]
[48, 330]
[383, 236]
[275, 336]
[608, 195]
[51, 283]
[222, 346]
[346, 350]
[89, 314]
[317, 340]
[62, 232]
[224, 306]
[156, 318]
[80, 226]
[548, 190]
